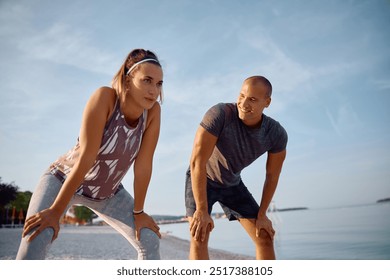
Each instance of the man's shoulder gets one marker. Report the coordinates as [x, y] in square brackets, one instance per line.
[273, 125]
[224, 106]
[218, 117]
[269, 121]
[276, 133]
[222, 109]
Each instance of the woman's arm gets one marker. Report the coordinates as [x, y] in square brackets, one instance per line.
[95, 116]
[143, 169]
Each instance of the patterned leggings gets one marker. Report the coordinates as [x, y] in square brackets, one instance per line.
[115, 211]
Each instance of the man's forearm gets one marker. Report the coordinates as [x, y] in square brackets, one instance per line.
[269, 189]
[199, 182]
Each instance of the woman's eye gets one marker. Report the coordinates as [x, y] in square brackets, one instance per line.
[148, 81]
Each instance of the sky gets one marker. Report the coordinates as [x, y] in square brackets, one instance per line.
[328, 62]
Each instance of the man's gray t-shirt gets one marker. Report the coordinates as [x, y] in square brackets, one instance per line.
[238, 145]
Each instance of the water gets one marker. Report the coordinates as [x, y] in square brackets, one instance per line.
[354, 233]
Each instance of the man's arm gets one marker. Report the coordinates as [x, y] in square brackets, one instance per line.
[203, 148]
[273, 169]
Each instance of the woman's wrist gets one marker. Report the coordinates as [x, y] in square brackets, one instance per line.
[138, 212]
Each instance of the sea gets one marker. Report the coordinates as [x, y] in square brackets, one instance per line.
[357, 232]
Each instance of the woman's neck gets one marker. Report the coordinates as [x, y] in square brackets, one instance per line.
[130, 110]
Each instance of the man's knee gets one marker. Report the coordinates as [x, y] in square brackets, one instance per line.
[198, 244]
[199, 250]
[264, 239]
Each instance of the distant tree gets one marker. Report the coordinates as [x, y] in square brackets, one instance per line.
[8, 192]
[84, 213]
[21, 203]
[22, 200]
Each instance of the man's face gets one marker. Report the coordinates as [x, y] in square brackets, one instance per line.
[252, 100]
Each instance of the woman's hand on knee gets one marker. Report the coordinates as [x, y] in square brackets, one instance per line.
[37, 223]
[143, 220]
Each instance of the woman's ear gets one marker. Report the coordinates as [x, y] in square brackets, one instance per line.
[127, 82]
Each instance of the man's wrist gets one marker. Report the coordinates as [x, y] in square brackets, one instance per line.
[261, 214]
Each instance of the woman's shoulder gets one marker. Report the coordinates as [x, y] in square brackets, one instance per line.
[156, 109]
[154, 112]
[103, 98]
[105, 93]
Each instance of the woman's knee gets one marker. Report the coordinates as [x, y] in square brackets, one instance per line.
[37, 248]
[149, 245]
[149, 236]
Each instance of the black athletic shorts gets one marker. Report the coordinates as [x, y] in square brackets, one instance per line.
[236, 201]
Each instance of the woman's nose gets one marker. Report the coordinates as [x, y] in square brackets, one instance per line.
[153, 90]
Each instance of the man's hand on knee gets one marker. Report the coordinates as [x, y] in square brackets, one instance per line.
[263, 223]
[201, 224]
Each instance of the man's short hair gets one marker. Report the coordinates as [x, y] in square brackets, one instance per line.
[263, 80]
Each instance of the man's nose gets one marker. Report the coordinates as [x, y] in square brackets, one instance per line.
[245, 102]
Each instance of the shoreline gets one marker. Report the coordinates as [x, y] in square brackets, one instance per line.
[103, 243]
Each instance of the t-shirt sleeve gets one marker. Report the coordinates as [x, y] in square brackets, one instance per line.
[214, 119]
[280, 139]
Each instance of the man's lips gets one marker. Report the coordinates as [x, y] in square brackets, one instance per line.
[245, 110]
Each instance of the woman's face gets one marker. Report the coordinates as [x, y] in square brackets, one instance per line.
[145, 84]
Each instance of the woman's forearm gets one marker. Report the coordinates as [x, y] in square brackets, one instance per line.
[142, 178]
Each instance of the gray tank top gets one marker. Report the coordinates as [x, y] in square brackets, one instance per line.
[119, 148]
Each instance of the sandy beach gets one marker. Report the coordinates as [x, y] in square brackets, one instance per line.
[102, 243]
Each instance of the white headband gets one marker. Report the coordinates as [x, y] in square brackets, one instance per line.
[139, 62]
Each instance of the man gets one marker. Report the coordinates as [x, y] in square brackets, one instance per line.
[230, 137]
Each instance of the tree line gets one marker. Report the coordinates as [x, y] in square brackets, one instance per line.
[14, 205]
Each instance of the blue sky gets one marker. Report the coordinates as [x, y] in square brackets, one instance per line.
[328, 61]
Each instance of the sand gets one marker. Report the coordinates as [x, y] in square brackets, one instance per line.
[102, 243]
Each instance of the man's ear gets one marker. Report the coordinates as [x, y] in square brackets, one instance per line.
[268, 102]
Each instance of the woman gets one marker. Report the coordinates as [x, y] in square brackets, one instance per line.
[120, 126]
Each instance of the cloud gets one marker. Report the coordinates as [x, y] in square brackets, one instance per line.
[383, 85]
[344, 120]
[13, 16]
[63, 44]
[285, 73]
[58, 42]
